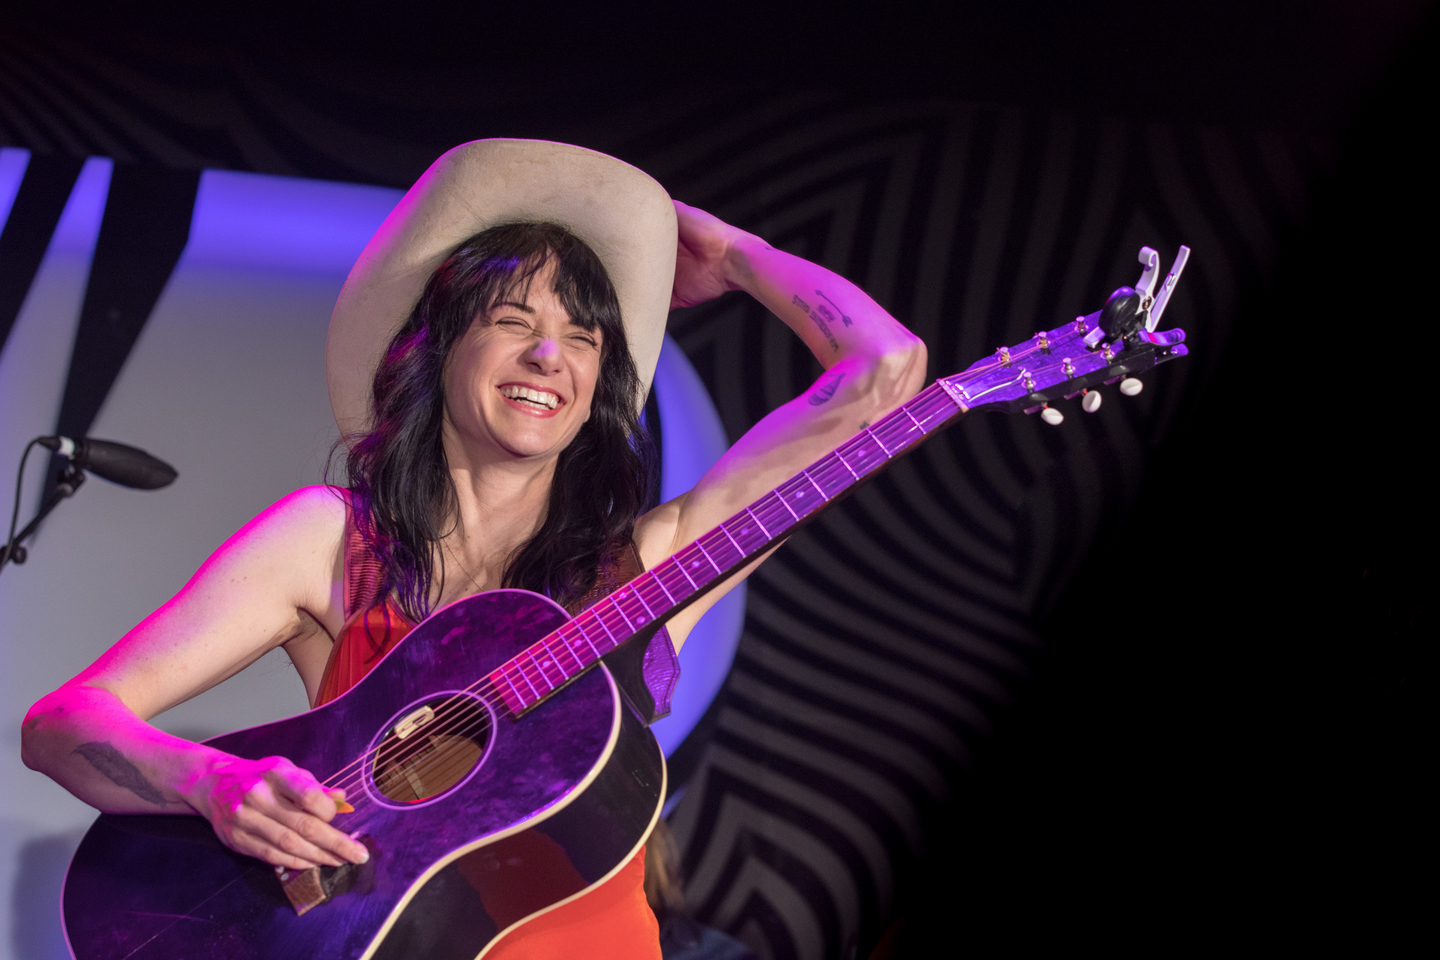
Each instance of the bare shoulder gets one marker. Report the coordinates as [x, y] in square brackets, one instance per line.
[314, 516]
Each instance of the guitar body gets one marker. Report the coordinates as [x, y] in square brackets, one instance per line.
[559, 799]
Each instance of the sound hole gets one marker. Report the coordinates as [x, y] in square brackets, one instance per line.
[431, 748]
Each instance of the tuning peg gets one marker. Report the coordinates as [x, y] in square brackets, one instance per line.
[1131, 386]
[1091, 401]
[1052, 416]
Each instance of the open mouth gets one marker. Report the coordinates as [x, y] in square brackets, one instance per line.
[530, 397]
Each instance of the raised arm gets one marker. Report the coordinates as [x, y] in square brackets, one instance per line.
[271, 584]
[872, 364]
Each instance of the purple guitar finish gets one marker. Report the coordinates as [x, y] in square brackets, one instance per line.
[565, 794]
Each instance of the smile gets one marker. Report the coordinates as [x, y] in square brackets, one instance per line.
[540, 399]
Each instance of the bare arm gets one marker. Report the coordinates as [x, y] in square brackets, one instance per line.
[872, 364]
[269, 584]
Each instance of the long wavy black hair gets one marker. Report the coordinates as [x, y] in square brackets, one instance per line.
[402, 496]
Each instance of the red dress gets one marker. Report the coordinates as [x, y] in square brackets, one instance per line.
[611, 922]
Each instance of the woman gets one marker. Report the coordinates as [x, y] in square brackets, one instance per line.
[488, 378]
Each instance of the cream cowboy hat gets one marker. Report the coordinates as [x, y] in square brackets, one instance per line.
[622, 213]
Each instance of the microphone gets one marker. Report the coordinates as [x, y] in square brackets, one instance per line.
[117, 462]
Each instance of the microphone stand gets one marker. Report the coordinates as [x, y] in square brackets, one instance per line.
[70, 480]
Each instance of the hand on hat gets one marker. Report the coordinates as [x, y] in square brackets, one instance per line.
[705, 262]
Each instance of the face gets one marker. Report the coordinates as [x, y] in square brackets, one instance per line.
[520, 382]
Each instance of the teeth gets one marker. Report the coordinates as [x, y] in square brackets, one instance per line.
[539, 397]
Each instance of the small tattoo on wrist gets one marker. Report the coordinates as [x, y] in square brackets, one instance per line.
[825, 390]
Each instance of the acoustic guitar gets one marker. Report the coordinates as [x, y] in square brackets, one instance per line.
[494, 769]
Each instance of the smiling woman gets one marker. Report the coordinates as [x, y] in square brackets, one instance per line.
[486, 362]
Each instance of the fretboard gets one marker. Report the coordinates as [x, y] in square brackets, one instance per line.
[660, 593]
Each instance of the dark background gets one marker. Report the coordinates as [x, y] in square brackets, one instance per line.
[1222, 741]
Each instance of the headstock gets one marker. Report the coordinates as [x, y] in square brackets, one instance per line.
[1112, 344]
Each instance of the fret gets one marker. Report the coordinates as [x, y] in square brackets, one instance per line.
[847, 466]
[738, 550]
[834, 476]
[637, 596]
[565, 645]
[949, 404]
[900, 429]
[603, 625]
[539, 668]
[775, 515]
[878, 443]
[758, 523]
[706, 554]
[616, 606]
[918, 425]
[858, 455]
[785, 502]
[751, 541]
[675, 570]
[661, 584]
[656, 597]
[533, 688]
[806, 475]
[586, 637]
[686, 574]
[513, 689]
[555, 661]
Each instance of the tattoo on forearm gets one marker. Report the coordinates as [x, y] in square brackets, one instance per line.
[846, 320]
[113, 764]
[819, 320]
[826, 390]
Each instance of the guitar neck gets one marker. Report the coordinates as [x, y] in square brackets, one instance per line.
[658, 594]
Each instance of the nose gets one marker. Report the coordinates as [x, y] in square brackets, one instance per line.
[544, 354]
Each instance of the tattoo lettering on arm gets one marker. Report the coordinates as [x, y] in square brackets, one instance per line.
[120, 771]
[826, 390]
[819, 321]
[846, 320]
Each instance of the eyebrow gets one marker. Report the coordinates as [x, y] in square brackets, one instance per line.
[531, 310]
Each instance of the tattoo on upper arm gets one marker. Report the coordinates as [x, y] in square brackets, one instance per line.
[819, 320]
[120, 771]
[826, 389]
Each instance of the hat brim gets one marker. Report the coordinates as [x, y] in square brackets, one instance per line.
[621, 212]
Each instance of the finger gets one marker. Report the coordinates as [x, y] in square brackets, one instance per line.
[341, 805]
[290, 842]
[325, 837]
[305, 792]
[252, 846]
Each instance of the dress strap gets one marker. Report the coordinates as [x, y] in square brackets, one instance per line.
[364, 573]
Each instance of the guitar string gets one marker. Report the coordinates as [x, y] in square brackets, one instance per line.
[460, 718]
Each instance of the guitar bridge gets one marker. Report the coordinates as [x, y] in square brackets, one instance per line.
[308, 889]
[305, 889]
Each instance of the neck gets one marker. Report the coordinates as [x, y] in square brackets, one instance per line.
[499, 506]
